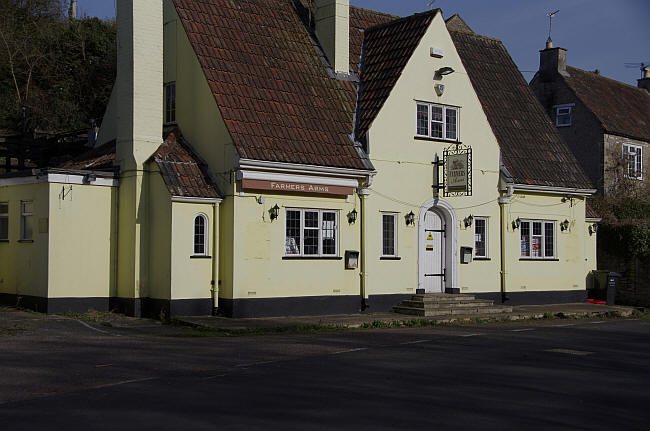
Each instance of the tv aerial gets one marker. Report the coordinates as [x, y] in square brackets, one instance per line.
[430, 4]
[550, 24]
[641, 66]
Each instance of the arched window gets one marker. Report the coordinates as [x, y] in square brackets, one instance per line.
[200, 235]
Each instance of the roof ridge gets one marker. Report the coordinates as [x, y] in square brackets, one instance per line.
[375, 12]
[400, 20]
[598, 75]
[480, 36]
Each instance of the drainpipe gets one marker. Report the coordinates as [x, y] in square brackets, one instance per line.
[503, 201]
[363, 192]
[214, 289]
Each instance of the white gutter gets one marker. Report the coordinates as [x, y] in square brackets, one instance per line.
[88, 180]
[554, 190]
[304, 169]
[194, 200]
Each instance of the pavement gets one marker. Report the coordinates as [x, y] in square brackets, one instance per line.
[108, 372]
[351, 321]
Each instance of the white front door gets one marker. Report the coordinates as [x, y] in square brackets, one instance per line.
[433, 233]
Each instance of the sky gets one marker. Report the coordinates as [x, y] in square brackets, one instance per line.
[598, 34]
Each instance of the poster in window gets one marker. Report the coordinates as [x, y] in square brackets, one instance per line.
[291, 247]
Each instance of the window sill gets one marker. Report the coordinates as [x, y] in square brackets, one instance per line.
[447, 141]
[200, 256]
[390, 258]
[171, 123]
[482, 258]
[538, 259]
[563, 125]
[4, 240]
[26, 241]
[312, 258]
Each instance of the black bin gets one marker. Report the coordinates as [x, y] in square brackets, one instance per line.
[612, 283]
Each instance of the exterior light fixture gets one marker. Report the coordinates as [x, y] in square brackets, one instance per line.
[516, 223]
[274, 212]
[352, 216]
[468, 220]
[564, 225]
[410, 218]
[593, 229]
[445, 71]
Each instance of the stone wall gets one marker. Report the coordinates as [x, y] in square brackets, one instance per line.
[634, 285]
[615, 169]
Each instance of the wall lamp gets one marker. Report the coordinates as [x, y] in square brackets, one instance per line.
[564, 225]
[516, 223]
[444, 71]
[410, 219]
[468, 220]
[274, 212]
[352, 216]
[593, 229]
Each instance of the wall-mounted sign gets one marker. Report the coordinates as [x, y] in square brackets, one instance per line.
[457, 171]
[291, 187]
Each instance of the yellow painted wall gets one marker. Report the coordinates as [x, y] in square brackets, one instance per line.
[81, 241]
[160, 235]
[260, 271]
[405, 173]
[190, 277]
[574, 261]
[23, 265]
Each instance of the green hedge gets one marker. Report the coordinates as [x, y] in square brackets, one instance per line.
[626, 239]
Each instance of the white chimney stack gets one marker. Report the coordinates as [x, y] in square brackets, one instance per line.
[332, 21]
[72, 11]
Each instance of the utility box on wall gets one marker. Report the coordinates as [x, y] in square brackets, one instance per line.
[466, 255]
[351, 259]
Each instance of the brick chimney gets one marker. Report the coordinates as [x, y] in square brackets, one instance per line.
[332, 21]
[551, 62]
[645, 81]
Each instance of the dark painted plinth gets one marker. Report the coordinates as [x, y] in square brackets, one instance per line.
[536, 298]
[165, 308]
[294, 306]
[384, 303]
[55, 305]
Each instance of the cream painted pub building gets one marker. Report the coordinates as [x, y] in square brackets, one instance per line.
[269, 158]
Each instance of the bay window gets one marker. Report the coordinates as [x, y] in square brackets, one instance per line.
[311, 233]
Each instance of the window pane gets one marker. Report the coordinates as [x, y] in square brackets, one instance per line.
[548, 240]
[436, 113]
[388, 235]
[4, 208]
[311, 233]
[329, 233]
[27, 207]
[27, 228]
[4, 227]
[311, 219]
[525, 238]
[423, 120]
[450, 118]
[436, 121]
[536, 246]
[480, 238]
[537, 228]
[292, 241]
[199, 235]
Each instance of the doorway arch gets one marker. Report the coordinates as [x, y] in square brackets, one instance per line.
[449, 245]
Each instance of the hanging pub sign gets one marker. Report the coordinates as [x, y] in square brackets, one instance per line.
[457, 168]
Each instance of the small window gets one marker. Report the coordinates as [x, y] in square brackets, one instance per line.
[4, 221]
[633, 156]
[437, 121]
[537, 239]
[200, 235]
[311, 233]
[26, 220]
[480, 237]
[170, 103]
[389, 234]
[563, 116]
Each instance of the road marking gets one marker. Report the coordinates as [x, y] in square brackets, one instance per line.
[103, 365]
[470, 335]
[349, 351]
[124, 382]
[596, 323]
[95, 329]
[414, 342]
[215, 377]
[252, 364]
[565, 325]
[522, 330]
[570, 352]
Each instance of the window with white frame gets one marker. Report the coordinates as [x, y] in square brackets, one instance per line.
[200, 235]
[26, 220]
[537, 239]
[170, 103]
[437, 121]
[633, 155]
[4, 221]
[311, 232]
[389, 234]
[480, 237]
[563, 115]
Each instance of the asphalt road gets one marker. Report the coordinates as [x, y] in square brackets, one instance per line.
[558, 374]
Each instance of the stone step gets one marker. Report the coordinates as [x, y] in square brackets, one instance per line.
[441, 297]
[416, 311]
[448, 304]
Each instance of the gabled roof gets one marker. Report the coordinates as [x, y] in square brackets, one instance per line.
[456, 23]
[622, 109]
[387, 49]
[181, 169]
[270, 81]
[533, 151]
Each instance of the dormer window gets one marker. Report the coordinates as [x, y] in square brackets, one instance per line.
[437, 121]
[170, 103]
[563, 115]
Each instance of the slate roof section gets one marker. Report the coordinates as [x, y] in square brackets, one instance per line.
[622, 109]
[532, 149]
[268, 79]
[184, 174]
[456, 23]
[360, 20]
[387, 49]
[97, 159]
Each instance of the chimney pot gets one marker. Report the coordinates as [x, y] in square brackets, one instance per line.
[645, 81]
